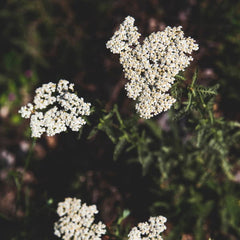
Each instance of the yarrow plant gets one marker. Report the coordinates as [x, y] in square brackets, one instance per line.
[76, 221]
[151, 67]
[150, 230]
[55, 108]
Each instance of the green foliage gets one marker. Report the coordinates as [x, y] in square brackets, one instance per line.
[120, 229]
[190, 154]
[192, 161]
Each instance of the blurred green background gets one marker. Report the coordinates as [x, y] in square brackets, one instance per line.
[48, 40]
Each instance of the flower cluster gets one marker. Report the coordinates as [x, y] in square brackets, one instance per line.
[150, 230]
[151, 66]
[76, 221]
[55, 107]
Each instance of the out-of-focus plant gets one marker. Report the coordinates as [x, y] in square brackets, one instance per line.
[221, 37]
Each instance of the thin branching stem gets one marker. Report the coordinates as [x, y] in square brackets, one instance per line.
[27, 162]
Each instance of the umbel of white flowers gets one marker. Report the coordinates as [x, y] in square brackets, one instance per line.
[151, 66]
[55, 107]
[76, 221]
[150, 230]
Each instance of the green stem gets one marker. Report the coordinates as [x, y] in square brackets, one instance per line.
[209, 111]
[189, 102]
[202, 101]
[211, 116]
[30, 154]
[79, 133]
[180, 77]
[118, 116]
[194, 78]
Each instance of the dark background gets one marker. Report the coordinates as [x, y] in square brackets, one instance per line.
[43, 41]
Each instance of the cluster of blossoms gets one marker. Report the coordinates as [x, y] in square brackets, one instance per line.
[150, 230]
[76, 221]
[151, 67]
[55, 107]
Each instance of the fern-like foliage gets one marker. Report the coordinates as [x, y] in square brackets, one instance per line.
[193, 157]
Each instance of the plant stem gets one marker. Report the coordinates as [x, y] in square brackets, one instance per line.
[211, 116]
[30, 154]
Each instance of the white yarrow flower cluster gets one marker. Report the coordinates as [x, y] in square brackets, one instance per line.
[55, 108]
[76, 221]
[151, 67]
[150, 230]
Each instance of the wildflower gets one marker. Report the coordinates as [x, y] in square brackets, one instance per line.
[55, 108]
[151, 67]
[149, 230]
[76, 221]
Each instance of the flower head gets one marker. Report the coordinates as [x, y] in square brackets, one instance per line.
[151, 66]
[150, 230]
[55, 108]
[76, 221]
